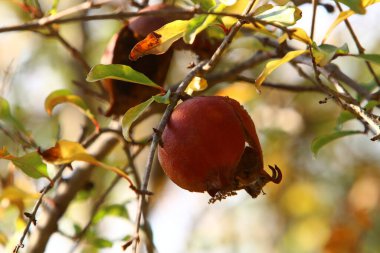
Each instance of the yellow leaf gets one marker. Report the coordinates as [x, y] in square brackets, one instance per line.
[238, 7]
[274, 64]
[261, 29]
[67, 151]
[159, 41]
[367, 3]
[65, 96]
[3, 239]
[345, 15]
[342, 16]
[197, 84]
[241, 91]
[297, 34]
[13, 193]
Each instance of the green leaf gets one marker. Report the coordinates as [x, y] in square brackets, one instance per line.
[371, 104]
[205, 4]
[324, 53]
[163, 99]
[132, 115]
[5, 111]
[321, 141]
[375, 58]
[199, 23]
[77, 228]
[65, 96]
[32, 165]
[274, 64]
[101, 243]
[283, 15]
[112, 210]
[119, 72]
[355, 5]
[347, 116]
[6, 115]
[342, 118]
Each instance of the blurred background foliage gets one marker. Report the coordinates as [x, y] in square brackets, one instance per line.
[329, 203]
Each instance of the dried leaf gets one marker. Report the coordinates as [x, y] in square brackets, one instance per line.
[274, 64]
[65, 152]
[65, 96]
[159, 41]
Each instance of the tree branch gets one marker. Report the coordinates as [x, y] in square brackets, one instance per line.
[65, 193]
[32, 216]
[156, 138]
[202, 67]
[358, 45]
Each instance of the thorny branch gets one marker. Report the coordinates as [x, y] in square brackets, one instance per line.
[32, 216]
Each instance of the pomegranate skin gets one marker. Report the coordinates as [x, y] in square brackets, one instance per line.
[203, 143]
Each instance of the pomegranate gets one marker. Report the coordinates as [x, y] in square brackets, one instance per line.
[210, 144]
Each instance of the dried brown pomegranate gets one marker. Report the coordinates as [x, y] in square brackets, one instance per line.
[124, 95]
[210, 144]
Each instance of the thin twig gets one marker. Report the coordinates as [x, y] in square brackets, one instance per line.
[313, 19]
[61, 19]
[156, 138]
[349, 104]
[281, 86]
[203, 67]
[358, 44]
[66, 191]
[231, 74]
[74, 52]
[32, 215]
[101, 199]
[227, 40]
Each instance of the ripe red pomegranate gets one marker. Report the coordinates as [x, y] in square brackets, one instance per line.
[210, 144]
